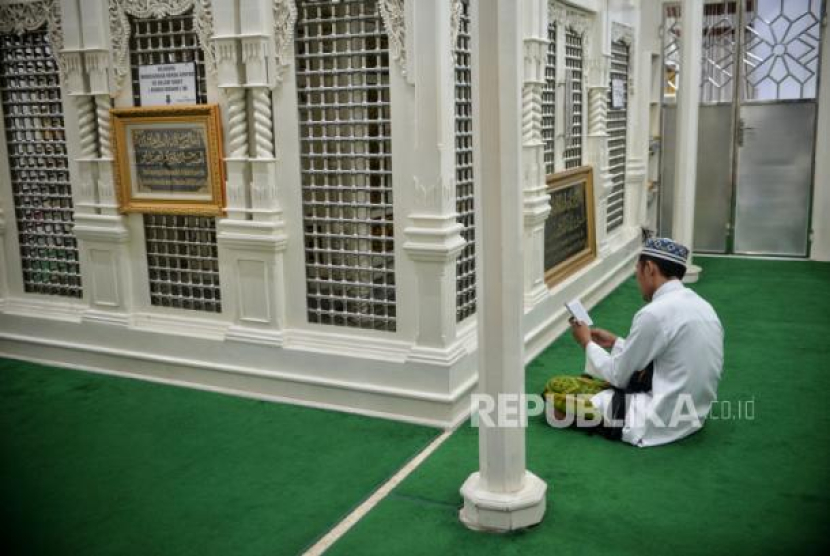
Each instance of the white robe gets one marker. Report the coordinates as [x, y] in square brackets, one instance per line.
[681, 334]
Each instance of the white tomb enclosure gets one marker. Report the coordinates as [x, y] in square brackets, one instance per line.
[343, 272]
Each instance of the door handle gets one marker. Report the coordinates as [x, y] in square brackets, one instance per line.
[742, 129]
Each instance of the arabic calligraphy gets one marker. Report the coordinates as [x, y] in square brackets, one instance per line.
[170, 160]
[566, 229]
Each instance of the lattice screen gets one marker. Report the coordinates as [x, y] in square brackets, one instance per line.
[182, 262]
[465, 198]
[182, 254]
[342, 69]
[574, 63]
[717, 70]
[617, 136]
[671, 50]
[549, 100]
[38, 164]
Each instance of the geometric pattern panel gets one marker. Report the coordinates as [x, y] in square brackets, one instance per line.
[574, 65]
[718, 52]
[781, 46]
[38, 164]
[617, 135]
[671, 50]
[182, 262]
[549, 101]
[781, 57]
[465, 197]
[343, 95]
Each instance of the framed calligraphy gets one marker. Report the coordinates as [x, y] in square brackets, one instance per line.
[168, 159]
[570, 241]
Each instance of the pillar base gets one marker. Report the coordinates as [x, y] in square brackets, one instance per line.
[692, 274]
[500, 512]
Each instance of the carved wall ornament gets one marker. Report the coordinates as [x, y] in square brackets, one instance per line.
[580, 22]
[394, 21]
[285, 21]
[577, 21]
[21, 17]
[625, 34]
[119, 10]
[455, 25]
[87, 125]
[622, 33]
[556, 12]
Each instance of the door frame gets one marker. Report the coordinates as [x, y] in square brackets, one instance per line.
[737, 103]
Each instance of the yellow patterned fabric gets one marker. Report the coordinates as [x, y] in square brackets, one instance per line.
[574, 392]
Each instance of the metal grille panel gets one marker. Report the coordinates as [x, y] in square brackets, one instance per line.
[465, 197]
[617, 138]
[781, 58]
[182, 261]
[342, 68]
[671, 50]
[182, 253]
[573, 63]
[718, 51]
[549, 101]
[38, 164]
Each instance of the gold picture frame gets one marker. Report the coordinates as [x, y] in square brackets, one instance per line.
[168, 160]
[570, 227]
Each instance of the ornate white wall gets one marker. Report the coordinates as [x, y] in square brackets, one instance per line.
[262, 344]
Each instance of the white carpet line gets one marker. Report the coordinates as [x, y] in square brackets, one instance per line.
[350, 520]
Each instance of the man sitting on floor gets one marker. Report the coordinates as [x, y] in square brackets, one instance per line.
[657, 385]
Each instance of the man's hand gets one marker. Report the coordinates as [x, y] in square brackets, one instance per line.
[603, 338]
[581, 332]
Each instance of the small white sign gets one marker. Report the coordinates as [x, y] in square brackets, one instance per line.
[165, 84]
[617, 93]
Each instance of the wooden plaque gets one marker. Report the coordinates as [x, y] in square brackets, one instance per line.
[570, 240]
[168, 159]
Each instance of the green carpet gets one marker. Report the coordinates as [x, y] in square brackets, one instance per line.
[94, 465]
[738, 487]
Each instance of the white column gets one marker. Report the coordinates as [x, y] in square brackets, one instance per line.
[84, 193]
[536, 201]
[636, 165]
[598, 53]
[234, 104]
[502, 495]
[252, 240]
[685, 165]
[433, 238]
[103, 237]
[4, 286]
[820, 248]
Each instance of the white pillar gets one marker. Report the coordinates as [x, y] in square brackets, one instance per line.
[820, 248]
[433, 239]
[597, 48]
[685, 165]
[4, 286]
[536, 202]
[234, 106]
[251, 251]
[502, 495]
[103, 236]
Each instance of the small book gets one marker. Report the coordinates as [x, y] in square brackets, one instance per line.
[579, 312]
